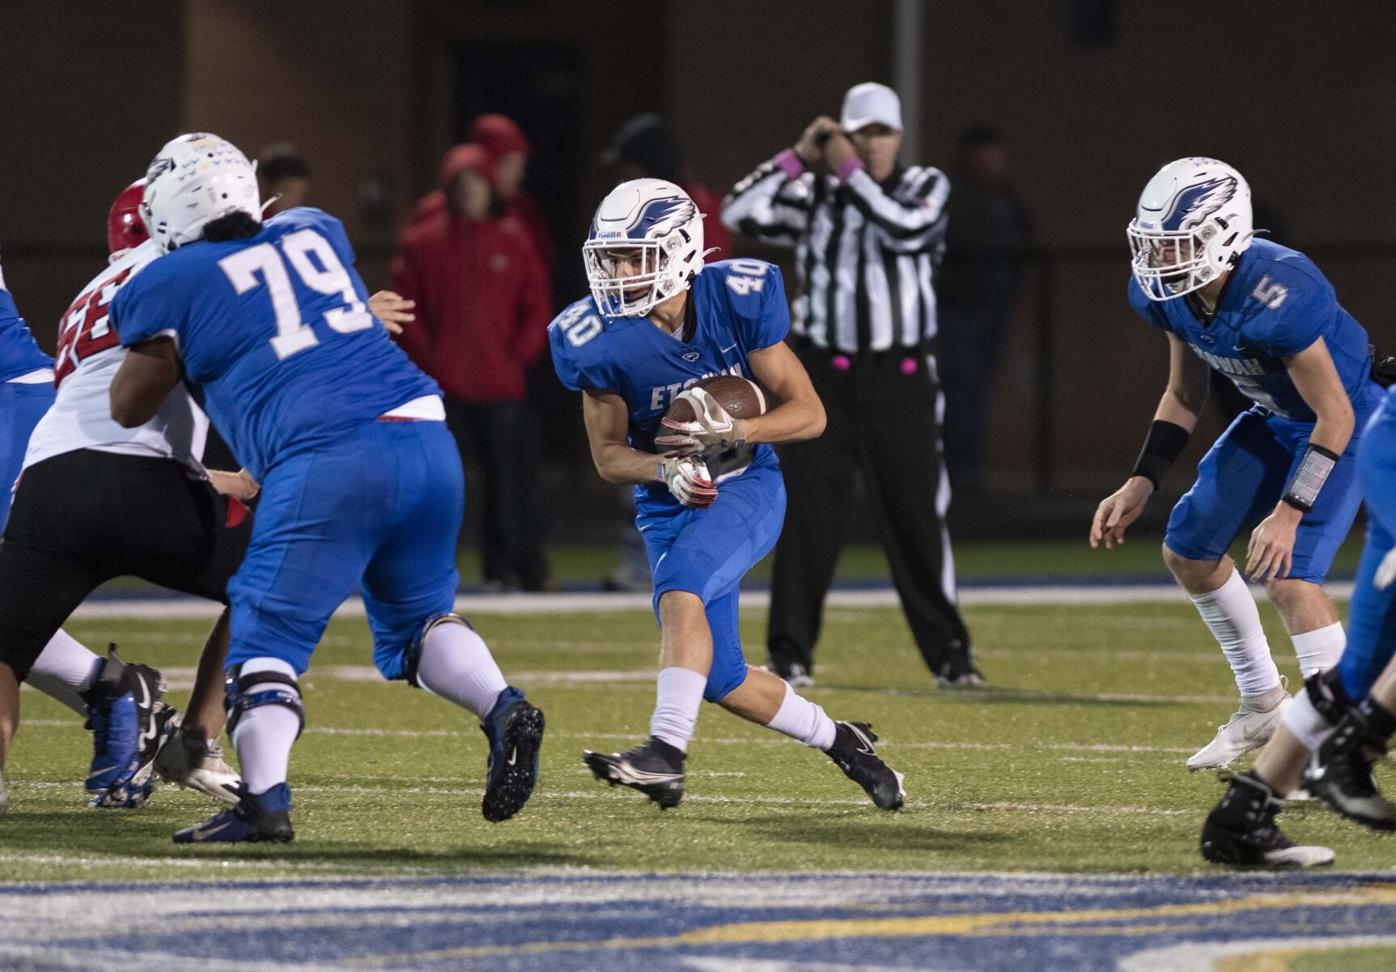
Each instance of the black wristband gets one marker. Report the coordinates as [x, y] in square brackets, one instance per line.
[1165, 444]
[1309, 477]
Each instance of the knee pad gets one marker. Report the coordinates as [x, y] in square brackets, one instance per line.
[1317, 709]
[238, 696]
[413, 656]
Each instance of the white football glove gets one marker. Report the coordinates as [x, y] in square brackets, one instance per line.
[712, 428]
[1386, 571]
[687, 478]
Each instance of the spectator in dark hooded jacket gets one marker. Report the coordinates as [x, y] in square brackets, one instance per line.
[483, 306]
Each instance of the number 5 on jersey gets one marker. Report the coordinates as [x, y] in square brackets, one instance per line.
[292, 333]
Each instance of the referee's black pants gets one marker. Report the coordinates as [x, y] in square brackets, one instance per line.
[883, 418]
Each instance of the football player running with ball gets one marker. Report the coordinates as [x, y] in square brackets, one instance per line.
[360, 481]
[1285, 470]
[657, 322]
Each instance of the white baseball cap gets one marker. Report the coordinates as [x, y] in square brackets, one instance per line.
[871, 103]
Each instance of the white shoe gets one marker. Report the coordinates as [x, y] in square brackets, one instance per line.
[199, 765]
[1249, 728]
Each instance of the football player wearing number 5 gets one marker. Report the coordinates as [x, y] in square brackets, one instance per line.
[1284, 471]
[360, 480]
[657, 322]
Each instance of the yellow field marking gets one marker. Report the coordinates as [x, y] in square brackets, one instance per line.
[824, 929]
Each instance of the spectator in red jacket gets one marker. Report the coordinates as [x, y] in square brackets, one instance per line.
[483, 306]
[509, 151]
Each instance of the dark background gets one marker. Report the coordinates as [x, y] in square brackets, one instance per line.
[1094, 95]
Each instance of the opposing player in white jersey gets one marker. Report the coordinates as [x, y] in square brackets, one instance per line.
[95, 501]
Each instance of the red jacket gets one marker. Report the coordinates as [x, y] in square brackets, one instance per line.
[715, 234]
[483, 304]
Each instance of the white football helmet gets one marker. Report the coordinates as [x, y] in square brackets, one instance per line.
[652, 229]
[196, 179]
[1193, 222]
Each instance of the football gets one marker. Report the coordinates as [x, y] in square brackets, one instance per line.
[741, 398]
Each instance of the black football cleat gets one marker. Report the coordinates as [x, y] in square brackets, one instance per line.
[654, 768]
[264, 817]
[1340, 773]
[1241, 830]
[854, 753]
[514, 728]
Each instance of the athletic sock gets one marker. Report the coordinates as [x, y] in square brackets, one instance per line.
[1231, 613]
[64, 670]
[1319, 649]
[680, 694]
[265, 733]
[456, 664]
[802, 720]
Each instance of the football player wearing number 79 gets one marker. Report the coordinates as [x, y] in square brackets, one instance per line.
[1285, 470]
[708, 490]
[360, 481]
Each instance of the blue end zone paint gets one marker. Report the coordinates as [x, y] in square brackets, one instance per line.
[587, 920]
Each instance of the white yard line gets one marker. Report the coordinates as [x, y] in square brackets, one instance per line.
[772, 741]
[606, 603]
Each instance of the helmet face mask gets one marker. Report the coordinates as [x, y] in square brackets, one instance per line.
[194, 180]
[645, 246]
[1192, 225]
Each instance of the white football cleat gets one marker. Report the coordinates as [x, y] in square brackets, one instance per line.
[1249, 728]
[199, 765]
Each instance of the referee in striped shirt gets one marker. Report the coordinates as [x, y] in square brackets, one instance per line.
[868, 235]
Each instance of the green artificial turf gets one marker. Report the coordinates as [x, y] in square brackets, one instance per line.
[1072, 761]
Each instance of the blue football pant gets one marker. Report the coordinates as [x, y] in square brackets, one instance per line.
[708, 552]
[1243, 476]
[1372, 618]
[380, 509]
[21, 407]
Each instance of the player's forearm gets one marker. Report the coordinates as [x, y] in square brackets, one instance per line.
[1181, 409]
[791, 421]
[1334, 428]
[621, 464]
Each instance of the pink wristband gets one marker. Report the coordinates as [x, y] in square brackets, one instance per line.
[848, 168]
[791, 163]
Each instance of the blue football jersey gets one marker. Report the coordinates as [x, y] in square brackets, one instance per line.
[1276, 303]
[738, 307]
[275, 332]
[19, 354]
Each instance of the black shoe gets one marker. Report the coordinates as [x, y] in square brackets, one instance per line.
[1340, 773]
[265, 817]
[515, 731]
[854, 753]
[958, 670]
[1241, 830]
[798, 674]
[654, 768]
